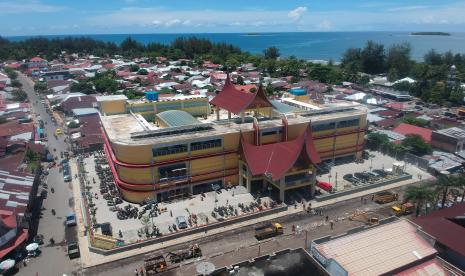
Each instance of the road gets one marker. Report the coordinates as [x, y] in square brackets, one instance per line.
[54, 259]
[235, 246]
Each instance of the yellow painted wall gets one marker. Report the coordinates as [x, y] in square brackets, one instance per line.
[137, 176]
[113, 107]
[135, 154]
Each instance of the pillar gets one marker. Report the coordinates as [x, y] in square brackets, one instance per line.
[313, 182]
[241, 172]
[229, 115]
[217, 114]
[282, 189]
[248, 184]
[191, 189]
[242, 117]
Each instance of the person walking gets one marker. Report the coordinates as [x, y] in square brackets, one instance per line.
[331, 224]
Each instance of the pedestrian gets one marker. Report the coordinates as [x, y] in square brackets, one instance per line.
[136, 272]
[361, 199]
[327, 218]
[331, 223]
[293, 228]
[364, 201]
[141, 271]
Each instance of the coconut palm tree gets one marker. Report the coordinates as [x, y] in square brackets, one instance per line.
[420, 195]
[444, 183]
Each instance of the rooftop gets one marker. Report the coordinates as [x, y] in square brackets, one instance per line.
[378, 250]
[110, 98]
[122, 127]
[453, 132]
[173, 118]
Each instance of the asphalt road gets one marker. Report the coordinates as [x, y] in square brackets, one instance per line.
[54, 259]
[235, 246]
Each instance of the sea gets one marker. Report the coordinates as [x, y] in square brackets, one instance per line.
[314, 46]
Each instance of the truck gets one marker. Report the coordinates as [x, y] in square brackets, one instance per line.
[155, 265]
[325, 186]
[178, 256]
[268, 231]
[73, 250]
[70, 220]
[403, 209]
[384, 197]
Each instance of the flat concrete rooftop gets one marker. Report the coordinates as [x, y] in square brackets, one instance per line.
[121, 128]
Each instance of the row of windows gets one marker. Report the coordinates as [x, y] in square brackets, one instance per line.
[142, 108]
[169, 106]
[340, 124]
[169, 150]
[196, 103]
[206, 144]
[183, 148]
[271, 132]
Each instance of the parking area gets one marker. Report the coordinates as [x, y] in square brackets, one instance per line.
[374, 167]
[133, 222]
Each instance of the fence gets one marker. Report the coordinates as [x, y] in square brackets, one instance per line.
[403, 156]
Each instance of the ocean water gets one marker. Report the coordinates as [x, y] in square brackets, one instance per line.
[305, 45]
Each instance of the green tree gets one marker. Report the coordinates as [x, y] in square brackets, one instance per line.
[11, 73]
[420, 195]
[19, 95]
[398, 59]
[83, 87]
[373, 58]
[444, 183]
[456, 95]
[416, 145]
[2, 120]
[16, 83]
[40, 87]
[377, 139]
[240, 80]
[432, 57]
[134, 68]
[271, 53]
[415, 121]
[352, 61]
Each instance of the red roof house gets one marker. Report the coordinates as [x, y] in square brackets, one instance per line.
[407, 129]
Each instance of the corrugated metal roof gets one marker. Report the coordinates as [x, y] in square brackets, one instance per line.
[174, 118]
[282, 107]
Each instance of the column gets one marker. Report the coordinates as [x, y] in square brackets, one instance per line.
[248, 184]
[242, 117]
[217, 114]
[229, 115]
[313, 182]
[282, 189]
[241, 171]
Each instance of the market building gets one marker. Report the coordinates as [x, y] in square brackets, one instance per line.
[167, 148]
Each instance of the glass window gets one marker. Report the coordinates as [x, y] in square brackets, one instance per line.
[169, 150]
[206, 144]
[348, 123]
[322, 127]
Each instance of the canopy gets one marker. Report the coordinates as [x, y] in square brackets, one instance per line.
[7, 264]
[32, 246]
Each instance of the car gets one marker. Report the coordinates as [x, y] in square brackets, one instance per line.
[70, 219]
[181, 222]
[381, 173]
[349, 177]
[73, 250]
[362, 176]
[106, 229]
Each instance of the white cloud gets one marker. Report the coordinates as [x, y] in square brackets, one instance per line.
[296, 13]
[407, 8]
[187, 22]
[324, 25]
[172, 22]
[29, 6]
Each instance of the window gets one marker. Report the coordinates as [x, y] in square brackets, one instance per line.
[196, 103]
[142, 108]
[348, 123]
[268, 132]
[322, 127]
[206, 144]
[173, 171]
[169, 150]
[168, 106]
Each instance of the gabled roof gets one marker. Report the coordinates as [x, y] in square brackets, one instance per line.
[407, 129]
[440, 224]
[236, 101]
[276, 159]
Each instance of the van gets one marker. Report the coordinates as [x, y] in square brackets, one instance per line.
[181, 222]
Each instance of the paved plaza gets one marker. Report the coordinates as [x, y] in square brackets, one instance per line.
[198, 205]
[376, 160]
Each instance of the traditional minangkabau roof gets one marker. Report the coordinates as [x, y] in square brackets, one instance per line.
[278, 158]
[232, 99]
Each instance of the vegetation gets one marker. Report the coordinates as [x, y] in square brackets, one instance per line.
[415, 121]
[19, 95]
[419, 195]
[416, 145]
[85, 87]
[271, 53]
[40, 87]
[2, 120]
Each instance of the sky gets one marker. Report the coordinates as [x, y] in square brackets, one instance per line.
[45, 17]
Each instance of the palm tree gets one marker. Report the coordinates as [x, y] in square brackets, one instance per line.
[443, 184]
[420, 195]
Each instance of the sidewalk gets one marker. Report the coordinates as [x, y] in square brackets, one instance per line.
[89, 259]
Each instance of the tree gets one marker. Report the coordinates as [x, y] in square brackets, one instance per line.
[420, 195]
[352, 61]
[415, 144]
[2, 120]
[444, 183]
[271, 53]
[432, 58]
[19, 95]
[377, 139]
[415, 121]
[143, 72]
[16, 83]
[40, 87]
[456, 95]
[240, 80]
[83, 87]
[10, 73]
[398, 59]
[134, 68]
[373, 58]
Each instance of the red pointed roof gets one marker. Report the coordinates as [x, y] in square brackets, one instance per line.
[235, 101]
[278, 158]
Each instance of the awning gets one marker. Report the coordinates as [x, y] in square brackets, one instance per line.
[13, 244]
